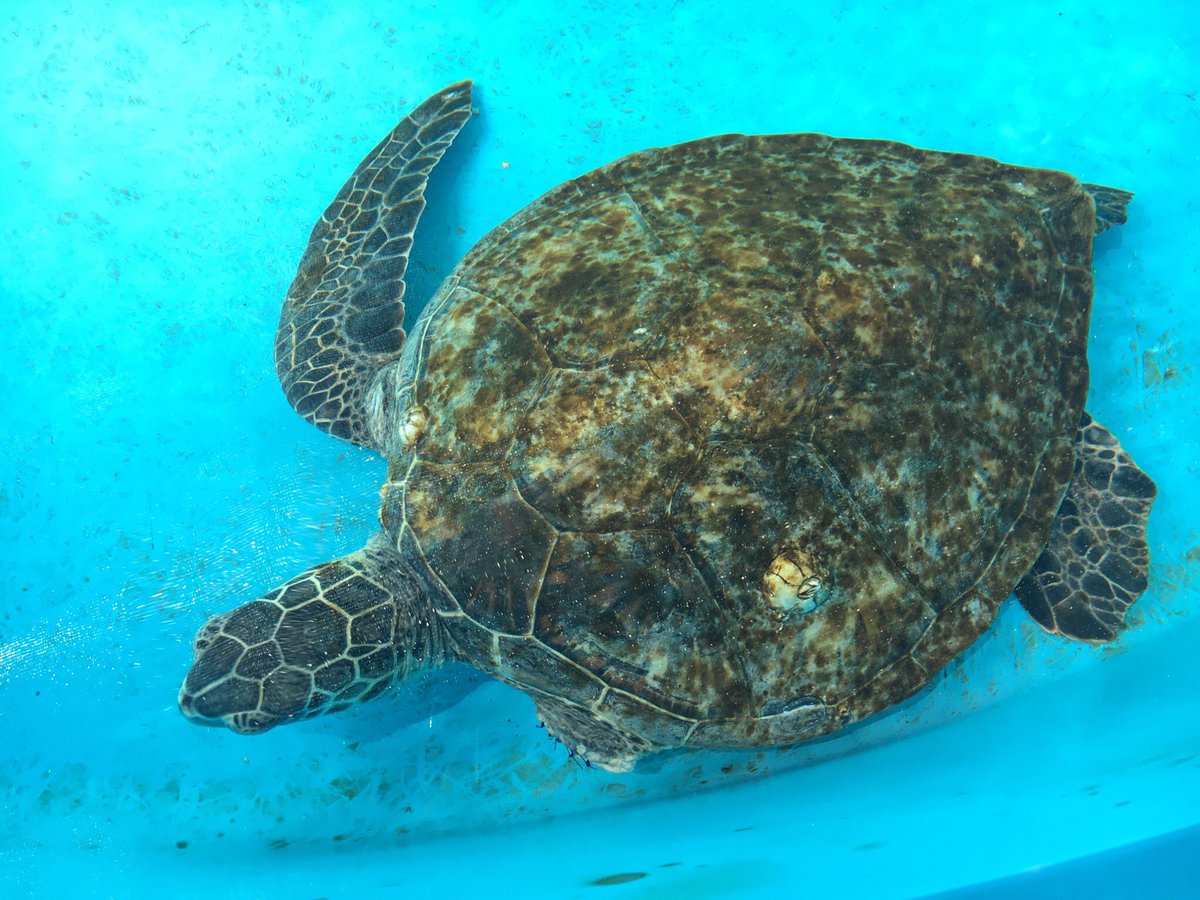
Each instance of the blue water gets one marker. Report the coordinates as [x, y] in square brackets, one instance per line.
[162, 168]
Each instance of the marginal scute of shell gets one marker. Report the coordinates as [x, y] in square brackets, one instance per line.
[793, 584]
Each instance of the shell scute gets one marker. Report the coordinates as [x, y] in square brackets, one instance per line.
[591, 281]
[630, 608]
[480, 372]
[581, 455]
[485, 544]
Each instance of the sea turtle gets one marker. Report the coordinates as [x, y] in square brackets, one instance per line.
[725, 444]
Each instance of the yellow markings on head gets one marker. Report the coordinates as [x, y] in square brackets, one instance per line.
[792, 584]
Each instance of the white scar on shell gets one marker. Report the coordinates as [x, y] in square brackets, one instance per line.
[413, 427]
[792, 584]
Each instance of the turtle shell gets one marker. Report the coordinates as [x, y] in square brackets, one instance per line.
[740, 440]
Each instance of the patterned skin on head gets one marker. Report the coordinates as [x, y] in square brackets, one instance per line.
[338, 634]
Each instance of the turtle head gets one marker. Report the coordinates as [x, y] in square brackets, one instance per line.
[335, 635]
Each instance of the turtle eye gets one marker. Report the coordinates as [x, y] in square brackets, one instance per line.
[208, 633]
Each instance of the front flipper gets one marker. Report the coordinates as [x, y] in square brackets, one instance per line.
[343, 317]
[1096, 561]
[595, 740]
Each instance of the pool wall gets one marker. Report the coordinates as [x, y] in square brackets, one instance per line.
[163, 168]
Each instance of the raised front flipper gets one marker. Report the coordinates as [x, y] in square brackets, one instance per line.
[1096, 561]
[344, 313]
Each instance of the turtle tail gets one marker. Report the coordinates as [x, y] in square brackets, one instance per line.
[1110, 205]
[343, 318]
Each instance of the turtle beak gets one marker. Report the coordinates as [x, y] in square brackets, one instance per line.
[187, 706]
[214, 694]
[193, 709]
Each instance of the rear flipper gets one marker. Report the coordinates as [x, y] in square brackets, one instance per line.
[1096, 561]
[588, 736]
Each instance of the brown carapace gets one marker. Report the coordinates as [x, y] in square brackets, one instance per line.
[726, 444]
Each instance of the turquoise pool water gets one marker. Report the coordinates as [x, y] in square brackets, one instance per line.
[163, 166]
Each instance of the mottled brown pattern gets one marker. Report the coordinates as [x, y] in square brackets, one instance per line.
[631, 608]
[856, 354]
[580, 457]
[746, 504]
[469, 381]
[940, 479]
[954, 628]
[742, 364]
[590, 308]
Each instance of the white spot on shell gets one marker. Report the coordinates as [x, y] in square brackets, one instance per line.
[793, 584]
[413, 427]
